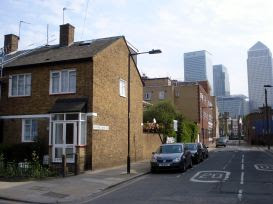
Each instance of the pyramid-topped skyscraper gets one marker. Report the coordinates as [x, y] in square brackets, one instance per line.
[260, 73]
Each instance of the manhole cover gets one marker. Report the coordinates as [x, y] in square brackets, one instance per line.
[55, 195]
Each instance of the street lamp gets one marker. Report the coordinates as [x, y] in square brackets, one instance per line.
[202, 114]
[266, 112]
[130, 55]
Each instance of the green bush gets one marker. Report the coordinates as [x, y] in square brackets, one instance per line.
[23, 151]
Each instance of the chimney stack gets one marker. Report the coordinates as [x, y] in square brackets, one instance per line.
[66, 34]
[11, 43]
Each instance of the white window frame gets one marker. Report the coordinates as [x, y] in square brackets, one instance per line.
[77, 139]
[23, 130]
[60, 82]
[148, 96]
[161, 95]
[122, 88]
[17, 88]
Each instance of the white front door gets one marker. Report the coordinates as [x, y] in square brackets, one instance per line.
[64, 141]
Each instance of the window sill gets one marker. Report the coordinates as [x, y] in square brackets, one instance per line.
[19, 96]
[123, 96]
[66, 93]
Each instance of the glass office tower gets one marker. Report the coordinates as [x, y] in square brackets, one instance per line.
[220, 81]
[198, 67]
[259, 70]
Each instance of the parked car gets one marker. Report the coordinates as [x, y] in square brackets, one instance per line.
[205, 151]
[171, 156]
[221, 141]
[196, 151]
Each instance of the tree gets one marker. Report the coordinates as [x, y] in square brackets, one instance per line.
[187, 130]
[164, 113]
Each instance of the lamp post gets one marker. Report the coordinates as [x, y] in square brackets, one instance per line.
[267, 117]
[130, 55]
[202, 114]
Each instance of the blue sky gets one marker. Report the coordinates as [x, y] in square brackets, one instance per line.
[226, 28]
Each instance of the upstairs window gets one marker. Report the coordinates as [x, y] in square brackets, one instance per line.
[20, 85]
[148, 96]
[63, 82]
[29, 130]
[161, 95]
[122, 88]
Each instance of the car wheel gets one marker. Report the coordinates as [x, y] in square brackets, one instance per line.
[183, 168]
[191, 164]
[153, 170]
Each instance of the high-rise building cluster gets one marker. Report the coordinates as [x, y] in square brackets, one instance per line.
[198, 66]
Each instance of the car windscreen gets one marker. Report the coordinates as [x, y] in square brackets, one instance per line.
[221, 139]
[169, 149]
[191, 146]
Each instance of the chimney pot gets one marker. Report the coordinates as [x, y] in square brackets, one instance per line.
[10, 43]
[66, 34]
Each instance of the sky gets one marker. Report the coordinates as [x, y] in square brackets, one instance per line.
[225, 28]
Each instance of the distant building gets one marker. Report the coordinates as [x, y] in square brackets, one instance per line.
[259, 69]
[234, 105]
[191, 99]
[198, 67]
[221, 85]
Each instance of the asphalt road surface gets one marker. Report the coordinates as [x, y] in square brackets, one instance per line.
[230, 175]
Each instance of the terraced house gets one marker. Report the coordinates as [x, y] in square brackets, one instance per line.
[73, 96]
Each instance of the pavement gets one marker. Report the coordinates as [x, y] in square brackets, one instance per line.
[73, 189]
[91, 184]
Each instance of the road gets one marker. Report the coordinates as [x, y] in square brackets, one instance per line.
[231, 175]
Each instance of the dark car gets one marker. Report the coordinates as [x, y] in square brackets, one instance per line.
[171, 156]
[205, 151]
[196, 151]
[221, 141]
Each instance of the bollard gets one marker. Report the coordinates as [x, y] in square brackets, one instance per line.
[63, 165]
[76, 169]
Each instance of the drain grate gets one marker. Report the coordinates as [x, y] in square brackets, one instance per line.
[55, 195]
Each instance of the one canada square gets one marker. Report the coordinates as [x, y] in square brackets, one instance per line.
[259, 69]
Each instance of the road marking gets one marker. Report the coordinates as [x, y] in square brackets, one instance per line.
[242, 167]
[210, 176]
[178, 176]
[243, 158]
[240, 194]
[264, 167]
[242, 178]
[228, 162]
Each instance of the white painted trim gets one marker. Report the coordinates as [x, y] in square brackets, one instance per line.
[37, 116]
[91, 114]
[25, 116]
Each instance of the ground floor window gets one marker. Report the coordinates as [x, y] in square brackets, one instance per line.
[67, 130]
[29, 130]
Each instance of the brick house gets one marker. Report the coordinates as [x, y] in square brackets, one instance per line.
[73, 96]
[191, 99]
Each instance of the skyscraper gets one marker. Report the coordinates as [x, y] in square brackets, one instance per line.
[259, 70]
[220, 81]
[198, 66]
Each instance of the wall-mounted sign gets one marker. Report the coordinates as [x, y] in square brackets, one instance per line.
[100, 127]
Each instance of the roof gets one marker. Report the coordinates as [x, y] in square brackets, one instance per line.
[55, 53]
[69, 105]
[258, 46]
